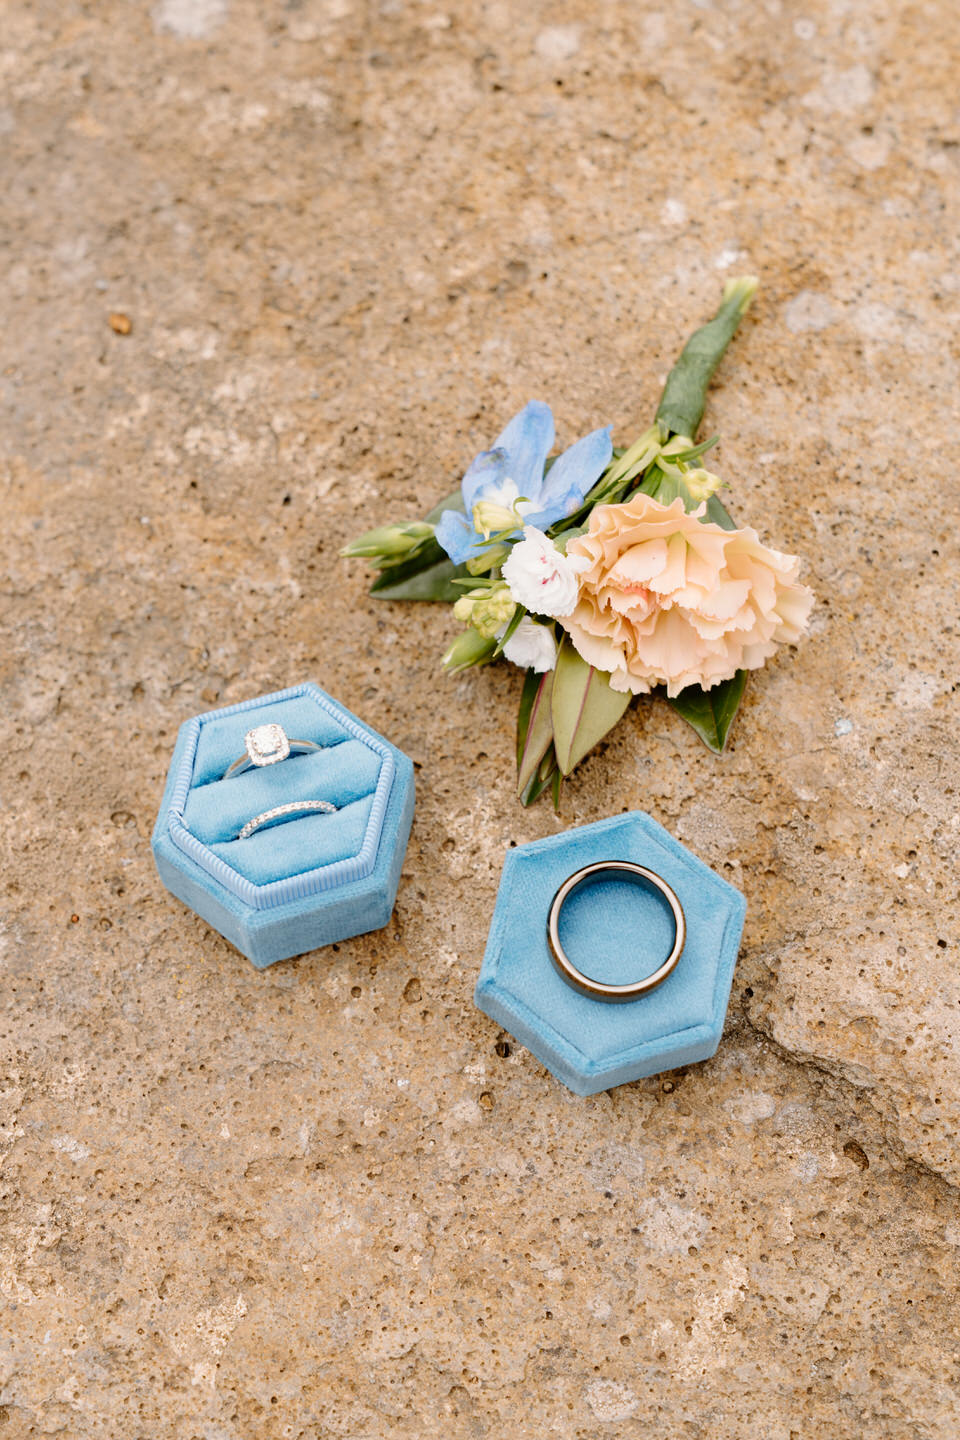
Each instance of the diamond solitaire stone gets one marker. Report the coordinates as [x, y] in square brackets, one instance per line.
[267, 744]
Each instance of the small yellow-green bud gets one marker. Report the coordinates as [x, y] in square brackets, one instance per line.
[491, 519]
[741, 289]
[701, 484]
[388, 543]
[463, 609]
[469, 648]
[492, 612]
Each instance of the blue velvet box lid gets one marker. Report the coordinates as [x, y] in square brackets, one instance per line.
[614, 931]
[305, 881]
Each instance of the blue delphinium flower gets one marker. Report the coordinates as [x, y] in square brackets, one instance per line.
[512, 472]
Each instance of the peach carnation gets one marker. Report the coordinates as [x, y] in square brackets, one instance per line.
[671, 600]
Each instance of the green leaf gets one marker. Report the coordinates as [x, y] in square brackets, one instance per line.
[685, 393]
[711, 712]
[719, 514]
[536, 725]
[531, 684]
[685, 457]
[454, 501]
[562, 536]
[557, 787]
[414, 580]
[584, 707]
[547, 774]
[665, 488]
[651, 482]
[513, 624]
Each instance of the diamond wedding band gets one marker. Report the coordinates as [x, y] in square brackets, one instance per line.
[598, 989]
[267, 745]
[296, 807]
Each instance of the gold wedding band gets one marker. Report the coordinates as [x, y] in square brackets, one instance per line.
[598, 989]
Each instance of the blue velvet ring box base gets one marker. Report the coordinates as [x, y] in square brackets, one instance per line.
[301, 882]
[613, 931]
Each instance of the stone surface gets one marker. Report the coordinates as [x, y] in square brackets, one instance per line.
[349, 240]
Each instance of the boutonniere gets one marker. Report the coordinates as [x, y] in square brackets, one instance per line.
[605, 573]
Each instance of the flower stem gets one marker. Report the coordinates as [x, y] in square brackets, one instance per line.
[685, 393]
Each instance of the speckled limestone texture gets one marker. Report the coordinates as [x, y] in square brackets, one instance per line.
[349, 239]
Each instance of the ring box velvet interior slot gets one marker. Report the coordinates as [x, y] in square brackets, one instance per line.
[617, 932]
[300, 882]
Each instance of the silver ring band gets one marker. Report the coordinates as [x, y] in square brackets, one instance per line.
[267, 745]
[598, 989]
[296, 807]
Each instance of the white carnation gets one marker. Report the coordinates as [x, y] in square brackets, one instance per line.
[541, 579]
[532, 646]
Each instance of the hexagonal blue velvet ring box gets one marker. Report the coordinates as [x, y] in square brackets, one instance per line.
[614, 931]
[304, 880]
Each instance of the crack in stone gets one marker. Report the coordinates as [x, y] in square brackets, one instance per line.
[835, 1072]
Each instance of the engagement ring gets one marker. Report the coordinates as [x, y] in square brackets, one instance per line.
[267, 745]
[598, 989]
[296, 807]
